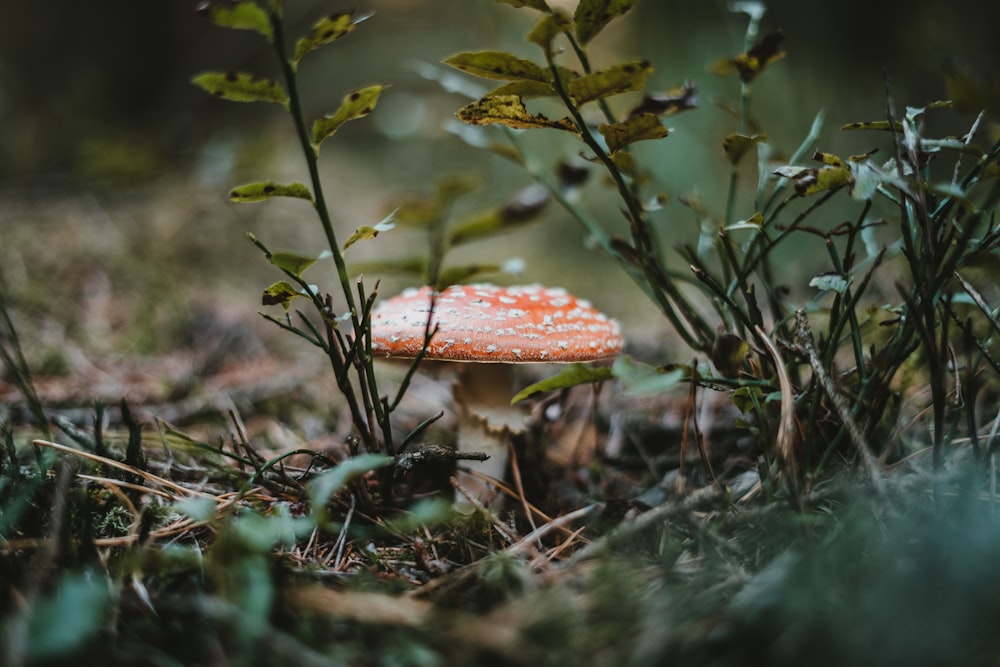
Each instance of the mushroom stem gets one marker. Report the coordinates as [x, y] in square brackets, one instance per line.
[487, 421]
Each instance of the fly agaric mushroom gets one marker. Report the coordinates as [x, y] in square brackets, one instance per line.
[491, 327]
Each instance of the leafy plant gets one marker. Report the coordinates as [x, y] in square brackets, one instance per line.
[341, 329]
[808, 397]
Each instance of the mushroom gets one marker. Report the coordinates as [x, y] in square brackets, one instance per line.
[490, 328]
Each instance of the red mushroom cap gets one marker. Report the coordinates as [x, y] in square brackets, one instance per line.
[487, 323]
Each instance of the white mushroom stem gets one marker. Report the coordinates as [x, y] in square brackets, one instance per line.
[487, 421]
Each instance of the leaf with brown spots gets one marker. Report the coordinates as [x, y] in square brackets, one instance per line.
[497, 65]
[324, 31]
[255, 192]
[279, 293]
[638, 128]
[620, 78]
[880, 125]
[748, 65]
[241, 87]
[809, 180]
[540, 5]
[356, 104]
[592, 16]
[509, 110]
[669, 102]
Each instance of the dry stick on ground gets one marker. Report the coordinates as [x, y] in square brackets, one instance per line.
[785, 439]
[806, 345]
[149, 477]
[515, 469]
[625, 532]
[537, 534]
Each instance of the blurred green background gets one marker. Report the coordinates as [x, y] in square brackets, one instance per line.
[114, 225]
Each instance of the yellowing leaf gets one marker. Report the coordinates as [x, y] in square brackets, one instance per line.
[239, 16]
[548, 28]
[241, 87]
[356, 104]
[764, 53]
[326, 30]
[611, 81]
[638, 128]
[729, 351]
[828, 159]
[736, 145]
[280, 293]
[809, 180]
[592, 16]
[508, 110]
[255, 192]
[497, 65]
[366, 232]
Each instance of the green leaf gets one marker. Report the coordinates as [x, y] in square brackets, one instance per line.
[497, 65]
[356, 104]
[454, 275]
[638, 128]
[509, 110]
[293, 262]
[640, 379]
[533, 4]
[199, 508]
[524, 89]
[747, 399]
[280, 293]
[592, 16]
[326, 30]
[336, 479]
[255, 192]
[522, 209]
[241, 87]
[407, 266]
[71, 614]
[621, 78]
[239, 16]
[736, 145]
[570, 376]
